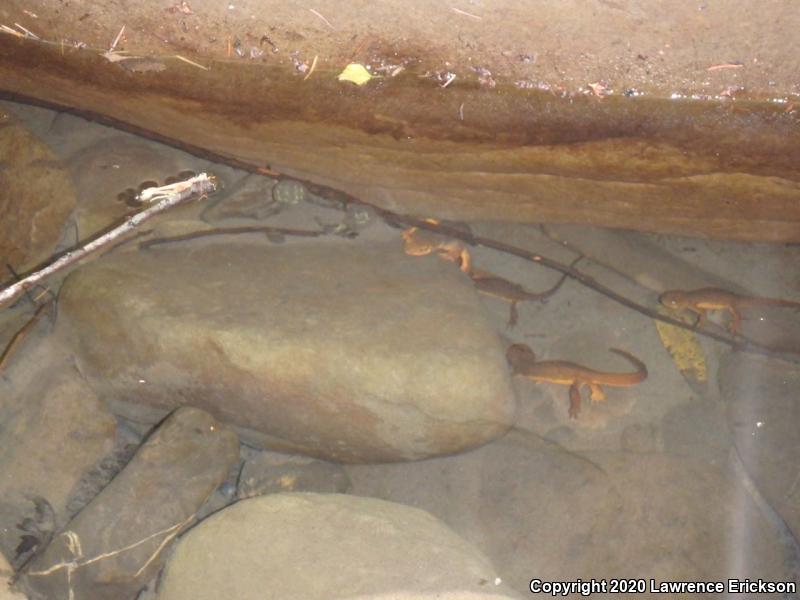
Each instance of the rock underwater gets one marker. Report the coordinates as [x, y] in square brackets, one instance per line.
[342, 350]
[315, 546]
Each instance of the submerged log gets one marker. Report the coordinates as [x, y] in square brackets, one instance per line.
[483, 147]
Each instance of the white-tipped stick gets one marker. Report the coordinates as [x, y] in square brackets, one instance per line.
[117, 39]
[167, 197]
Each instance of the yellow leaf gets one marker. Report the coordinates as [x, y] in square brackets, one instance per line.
[684, 349]
[355, 73]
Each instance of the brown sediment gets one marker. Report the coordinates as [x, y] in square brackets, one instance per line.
[668, 160]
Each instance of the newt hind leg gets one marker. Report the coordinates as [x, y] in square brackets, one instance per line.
[455, 252]
[513, 315]
[574, 400]
[735, 322]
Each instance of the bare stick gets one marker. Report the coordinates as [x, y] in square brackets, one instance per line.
[23, 333]
[167, 197]
[193, 235]
[316, 14]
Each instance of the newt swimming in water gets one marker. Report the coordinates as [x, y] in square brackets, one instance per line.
[705, 299]
[420, 242]
[492, 285]
[523, 362]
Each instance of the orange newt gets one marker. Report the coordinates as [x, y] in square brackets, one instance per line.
[523, 362]
[419, 242]
[705, 299]
[492, 285]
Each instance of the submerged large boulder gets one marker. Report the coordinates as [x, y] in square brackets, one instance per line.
[343, 350]
[315, 546]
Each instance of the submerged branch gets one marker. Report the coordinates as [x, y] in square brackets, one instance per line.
[737, 342]
[567, 270]
[229, 231]
[20, 336]
[168, 196]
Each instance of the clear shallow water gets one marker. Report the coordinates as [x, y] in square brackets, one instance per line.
[689, 475]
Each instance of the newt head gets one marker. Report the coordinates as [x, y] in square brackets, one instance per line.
[703, 300]
[419, 242]
[519, 356]
[674, 299]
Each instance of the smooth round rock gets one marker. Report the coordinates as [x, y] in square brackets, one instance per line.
[325, 547]
[348, 351]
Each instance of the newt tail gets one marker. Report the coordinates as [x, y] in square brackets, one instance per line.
[523, 362]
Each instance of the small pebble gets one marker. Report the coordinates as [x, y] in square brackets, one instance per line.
[228, 489]
[147, 184]
[288, 191]
[359, 217]
[127, 195]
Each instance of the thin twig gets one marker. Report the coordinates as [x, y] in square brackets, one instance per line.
[450, 79]
[227, 231]
[465, 13]
[7, 29]
[74, 545]
[17, 277]
[725, 66]
[547, 293]
[117, 39]
[191, 62]
[27, 32]
[168, 196]
[313, 66]
[315, 13]
[23, 333]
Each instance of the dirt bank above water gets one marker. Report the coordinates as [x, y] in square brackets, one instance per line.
[611, 113]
